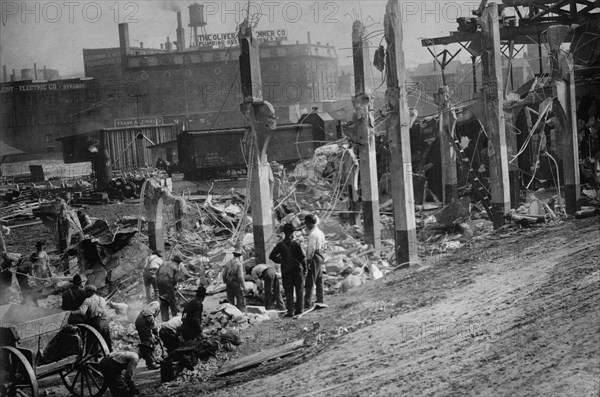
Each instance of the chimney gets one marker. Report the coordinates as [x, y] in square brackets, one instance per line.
[13, 77]
[124, 40]
[308, 37]
[46, 77]
[4, 74]
[141, 44]
[180, 33]
[162, 46]
[35, 71]
[168, 45]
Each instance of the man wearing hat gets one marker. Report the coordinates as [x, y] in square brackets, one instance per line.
[151, 265]
[290, 255]
[192, 316]
[6, 275]
[267, 276]
[95, 312]
[43, 261]
[148, 333]
[73, 298]
[233, 277]
[314, 258]
[167, 277]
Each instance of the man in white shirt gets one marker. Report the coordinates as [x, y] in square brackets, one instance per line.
[170, 332]
[94, 310]
[314, 258]
[152, 263]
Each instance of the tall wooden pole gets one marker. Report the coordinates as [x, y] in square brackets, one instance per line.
[563, 89]
[512, 150]
[398, 129]
[447, 151]
[261, 117]
[363, 120]
[493, 98]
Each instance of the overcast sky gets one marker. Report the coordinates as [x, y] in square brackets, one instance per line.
[53, 33]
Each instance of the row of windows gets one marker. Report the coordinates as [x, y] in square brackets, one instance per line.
[10, 120]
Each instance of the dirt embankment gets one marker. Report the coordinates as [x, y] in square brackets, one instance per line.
[516, 315]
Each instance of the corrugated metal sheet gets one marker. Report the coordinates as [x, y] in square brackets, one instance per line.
[129, 147]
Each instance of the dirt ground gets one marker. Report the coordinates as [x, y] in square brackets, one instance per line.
[514, 315]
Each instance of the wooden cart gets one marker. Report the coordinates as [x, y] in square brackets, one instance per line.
[26, 332]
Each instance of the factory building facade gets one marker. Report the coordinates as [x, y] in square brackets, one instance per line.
[197, 88]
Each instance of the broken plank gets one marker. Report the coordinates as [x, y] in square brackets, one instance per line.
[257, 358]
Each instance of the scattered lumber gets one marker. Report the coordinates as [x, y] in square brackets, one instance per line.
[260, 357]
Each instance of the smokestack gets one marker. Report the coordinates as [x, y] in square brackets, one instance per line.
[180, 33]
[124, 40]
[168, 45]
[308, 37]
[46, 77]
[141, 44]
[35, 71]
[14, 75]
[162, 46]
[4, 74]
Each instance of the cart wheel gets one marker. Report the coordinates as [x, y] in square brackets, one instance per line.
[16, 374]
[83, 377]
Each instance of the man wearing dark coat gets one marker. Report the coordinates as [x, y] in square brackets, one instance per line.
[192, 316]
[290, 255]
[73, 298]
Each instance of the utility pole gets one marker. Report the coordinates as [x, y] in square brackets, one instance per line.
[445, 121]
[398, 129]
[365, 134]
[493, 98]
[261, 118]
[565, 105]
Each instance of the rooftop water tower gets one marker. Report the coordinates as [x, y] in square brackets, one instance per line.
[197, 20]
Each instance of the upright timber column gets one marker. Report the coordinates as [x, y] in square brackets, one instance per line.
[494, 114]
[153, 205]
[511, 150]
[563, 89]
[261, 117]
[447, 151]
[363, 120]
[398, 125]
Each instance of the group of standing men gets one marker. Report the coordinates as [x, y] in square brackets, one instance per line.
[301, 271]
[31, 271]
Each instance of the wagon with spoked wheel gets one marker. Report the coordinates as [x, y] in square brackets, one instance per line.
[37, 343]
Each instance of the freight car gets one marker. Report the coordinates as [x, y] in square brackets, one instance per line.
[221, 154]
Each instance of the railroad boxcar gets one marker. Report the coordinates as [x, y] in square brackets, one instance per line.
[221, 153]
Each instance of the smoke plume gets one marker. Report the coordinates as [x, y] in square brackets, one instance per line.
[169, 6]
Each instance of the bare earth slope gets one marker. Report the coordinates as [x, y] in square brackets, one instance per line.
[517, 315]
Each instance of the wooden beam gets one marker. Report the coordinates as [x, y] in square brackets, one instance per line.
[518, 34]
[260, 357]
[398, 129]
[494, 117]
[260, 115]
[363, 119]
[563, 91]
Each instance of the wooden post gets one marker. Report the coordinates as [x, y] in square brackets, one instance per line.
[153, 205]
[365, 137]
[494, 114]
[563, 89]
[512, 150]
[398, 122]
[447, 151]
[261, 118]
